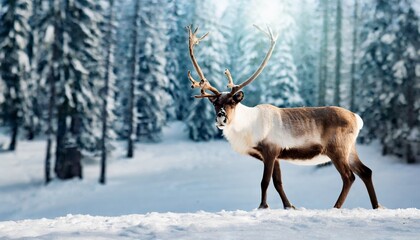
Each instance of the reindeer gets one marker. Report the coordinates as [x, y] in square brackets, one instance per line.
[306, 135]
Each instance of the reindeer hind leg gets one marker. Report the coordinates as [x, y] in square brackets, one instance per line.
[365, 174]
[339, 159]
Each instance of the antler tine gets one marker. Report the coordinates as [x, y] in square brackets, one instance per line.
[268, 33]
[229, 77]
[205, 95]
[194, 83]
[204, 84]
[192, 41]
[201, 38]
[236, 88]
[205, 35]
[258, 27]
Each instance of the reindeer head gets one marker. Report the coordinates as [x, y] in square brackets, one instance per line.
[224, 102]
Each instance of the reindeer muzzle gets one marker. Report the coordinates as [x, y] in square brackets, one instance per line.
[221, 119]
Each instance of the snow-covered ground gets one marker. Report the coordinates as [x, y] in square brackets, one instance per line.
[263, 224]
[210, 191]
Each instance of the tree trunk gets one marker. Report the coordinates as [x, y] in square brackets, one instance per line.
[60, 138]
[52, 91]
[134, 73]
[15, 129]
[50, 130]
[108, 75]
[30, 130]
[338, 53]
[47, 169]
[353, 57]
[323, 59]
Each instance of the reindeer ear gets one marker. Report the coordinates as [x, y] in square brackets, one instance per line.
[238, 97]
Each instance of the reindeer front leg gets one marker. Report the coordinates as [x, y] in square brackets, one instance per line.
[268, 172]
[279, 186]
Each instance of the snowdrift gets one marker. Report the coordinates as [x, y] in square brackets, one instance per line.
[257, 224]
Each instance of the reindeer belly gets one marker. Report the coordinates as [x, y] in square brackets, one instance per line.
[320, 159]
[306, 155]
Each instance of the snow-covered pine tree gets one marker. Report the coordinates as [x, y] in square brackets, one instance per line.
[200, 128]
[172, 64]
[179, 16]
[371, 71]
[338, 53]
[305, 51]
[132, 83]
[92, 55]
[323, 58]
[354, 55]
[236, 22]
[36, 94]
[124, 15]
[14, 63]
[244, 44]
[108, 88]
[2, 115]
[280, 85]
[212, 57]
[153, 82]
[335, 65]
[390, 80]
[74, 27]
[48, 54]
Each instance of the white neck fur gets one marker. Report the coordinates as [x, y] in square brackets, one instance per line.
[242, 131]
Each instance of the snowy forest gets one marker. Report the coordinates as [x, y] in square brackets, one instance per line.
[86, 74]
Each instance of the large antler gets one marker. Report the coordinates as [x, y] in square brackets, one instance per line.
[236, 88]
[204, 84]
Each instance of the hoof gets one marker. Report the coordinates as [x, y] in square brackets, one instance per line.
[263, 206]
[380, 207]
[290, 208]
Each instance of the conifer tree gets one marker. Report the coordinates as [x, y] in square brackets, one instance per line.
[244, 44]
[36, 92]
[390, 81]
[153, 97]
[338, 54]
[354, 57]
[305, 52]
[134, 69]
[72, 66]
[280, 85]
[179, 16]
[108, 90]
[323, 58]
[212, 57]
[14, 63]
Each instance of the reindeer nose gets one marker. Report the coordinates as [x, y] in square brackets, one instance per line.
[221, 114]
